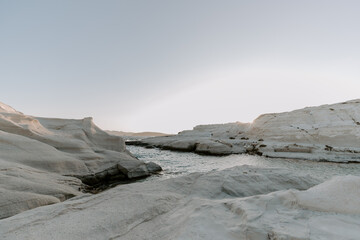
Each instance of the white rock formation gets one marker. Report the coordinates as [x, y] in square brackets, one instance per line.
[216, 139]
[215, 205]
[327, 211]
[238, 203]
[324, 133]
[42, 160]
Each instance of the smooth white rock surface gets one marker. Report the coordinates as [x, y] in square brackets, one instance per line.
[42, 159]
[237, 203]
[209, 205]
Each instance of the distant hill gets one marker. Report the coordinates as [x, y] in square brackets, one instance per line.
[137, 134]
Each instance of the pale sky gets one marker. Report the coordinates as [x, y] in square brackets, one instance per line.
[151, 65]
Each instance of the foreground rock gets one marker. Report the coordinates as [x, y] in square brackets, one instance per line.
[45, 161]
[327, 211]
[324, 133]
[225, 204]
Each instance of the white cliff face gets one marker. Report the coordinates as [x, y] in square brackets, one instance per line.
[7, 109]
[197, 206]
[336, 124]
[324, 133]
[327, 132]
[42, 160]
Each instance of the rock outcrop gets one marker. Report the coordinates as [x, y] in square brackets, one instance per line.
[214, 205]
[48, 160]
[237, 203]
[324, 133]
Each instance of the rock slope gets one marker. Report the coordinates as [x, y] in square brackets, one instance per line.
[324, 133]
[216, 205]
[238, 203]
[47, 160]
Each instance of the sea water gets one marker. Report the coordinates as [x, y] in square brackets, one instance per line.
[181, 163]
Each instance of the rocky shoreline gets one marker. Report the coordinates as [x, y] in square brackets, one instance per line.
[50, 167]
[325, 133]
[45, 161]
